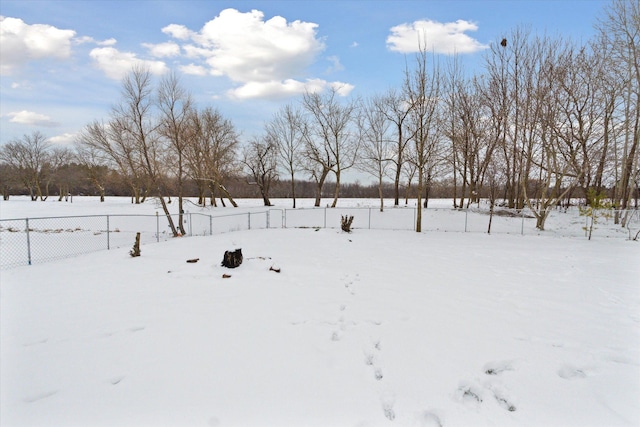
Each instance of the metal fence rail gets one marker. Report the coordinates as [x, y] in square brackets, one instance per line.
[27, 241]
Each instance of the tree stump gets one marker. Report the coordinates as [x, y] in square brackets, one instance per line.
[232, 259]
[346, 223]
[135, 251]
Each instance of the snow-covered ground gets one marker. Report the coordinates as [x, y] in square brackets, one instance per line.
[372, 328]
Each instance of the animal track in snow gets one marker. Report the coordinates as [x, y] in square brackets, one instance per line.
[388, 401]
[370, 359]
[389, 412]
[350, 282]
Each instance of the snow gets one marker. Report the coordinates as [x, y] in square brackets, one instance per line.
[371, 328]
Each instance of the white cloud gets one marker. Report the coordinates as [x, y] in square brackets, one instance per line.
[342, 89]
[21, 42]
[246, 48]
[179, 32]
[354, 44]
[87, 39]
[195, 52]
[265, 57]
[23, 85]
[193, 69]
[280, 89]
[335, 64]
[446, 38]
[116, 64]
[107, 42]
[30, 118]
[163, 50]
[64, 139]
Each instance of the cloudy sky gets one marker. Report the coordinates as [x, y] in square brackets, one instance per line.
[61, 61]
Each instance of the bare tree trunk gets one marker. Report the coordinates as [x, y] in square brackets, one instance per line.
[337, 192]
[293, 189]
[319, 185]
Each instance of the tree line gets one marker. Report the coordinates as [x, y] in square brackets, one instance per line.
[546, 119]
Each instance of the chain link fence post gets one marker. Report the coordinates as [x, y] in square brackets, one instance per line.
[157, 227]
[28, 241]
[108, 235]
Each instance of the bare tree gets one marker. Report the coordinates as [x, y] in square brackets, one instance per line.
[211, 156]
[509, 64]
[61, 172]
[469, 132]
[620, 35]
[108, 144]
[331, 139]
[175, 105]
[94, 163]
[396, 109]
[261, 162]
[581, 99]
[286, 130]
[8, 177]
[317, 160]
[549, 155]
[376, 146]
[134, 120]
[494, 179]
[422, 90]
[30, 157]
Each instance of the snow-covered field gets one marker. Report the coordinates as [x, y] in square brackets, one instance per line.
[372, 328]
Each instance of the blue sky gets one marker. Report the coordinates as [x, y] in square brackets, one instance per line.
[61, 61]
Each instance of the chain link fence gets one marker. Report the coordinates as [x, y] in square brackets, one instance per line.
[29, 241]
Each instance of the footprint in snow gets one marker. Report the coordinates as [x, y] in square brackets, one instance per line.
[473, 394]
[498, 367]
[502, 401]
[429, 419]
[470, 393]
[569, 372]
